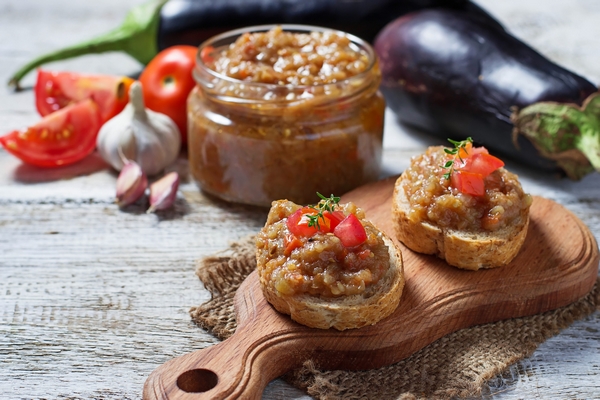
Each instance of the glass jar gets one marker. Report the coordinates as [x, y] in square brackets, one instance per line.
[253, 142]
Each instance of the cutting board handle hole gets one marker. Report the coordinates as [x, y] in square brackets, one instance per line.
[197, 380]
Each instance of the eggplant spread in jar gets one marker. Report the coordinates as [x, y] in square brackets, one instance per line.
[284, 114]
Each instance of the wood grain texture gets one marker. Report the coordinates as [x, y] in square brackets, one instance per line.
[557, 265]
[93, 299]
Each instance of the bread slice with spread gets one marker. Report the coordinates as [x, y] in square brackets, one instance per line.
[461, 205]
[327, 267]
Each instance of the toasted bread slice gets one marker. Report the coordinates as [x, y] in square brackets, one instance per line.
[462, 249]
[345, 312]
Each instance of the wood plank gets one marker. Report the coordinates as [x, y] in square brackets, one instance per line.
[93, 298]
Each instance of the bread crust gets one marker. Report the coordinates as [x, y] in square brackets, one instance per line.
[466, 250]
[345, 312]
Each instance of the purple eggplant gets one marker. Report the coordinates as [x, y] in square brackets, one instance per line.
[193, 21]
[453, 74]
[153, 26]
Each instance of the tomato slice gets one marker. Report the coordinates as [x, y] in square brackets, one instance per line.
[481, 163]
[61, 138]
[468, 182]
[56, 90]
[350, 231]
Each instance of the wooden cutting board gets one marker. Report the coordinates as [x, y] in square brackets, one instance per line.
[557, 265]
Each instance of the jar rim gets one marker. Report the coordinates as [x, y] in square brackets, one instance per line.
[230, 36]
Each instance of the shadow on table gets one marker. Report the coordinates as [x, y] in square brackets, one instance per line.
[178, 210]
[26, 173]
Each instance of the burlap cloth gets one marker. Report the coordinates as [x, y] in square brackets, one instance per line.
[457, 365]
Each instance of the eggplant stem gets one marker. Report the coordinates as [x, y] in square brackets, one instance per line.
[566, 133]
[589, 144]
[137, 36]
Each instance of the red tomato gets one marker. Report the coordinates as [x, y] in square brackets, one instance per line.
[297, 223]
[63, 137]
[334, 218]
[481, 163]
[56, 90]
[350, 231]
[291, 242]
[471, 166]
[469, 150]
[167, 81]
[468, 182]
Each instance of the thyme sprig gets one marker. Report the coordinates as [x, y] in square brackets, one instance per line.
[326, 204]
[455, 152]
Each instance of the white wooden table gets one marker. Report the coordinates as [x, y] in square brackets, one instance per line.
[92, 299]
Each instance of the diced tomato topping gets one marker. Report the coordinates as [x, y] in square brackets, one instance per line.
[468, 182]
[334, 218]
[350, 231]
[291, 242]
[347, 228]
[464, 152]
[297, 223]
[469, 150]
[471, 166]
[481, 163]
[479, 150]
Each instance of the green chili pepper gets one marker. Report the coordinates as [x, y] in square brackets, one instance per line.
[136, 36]
[152, 27]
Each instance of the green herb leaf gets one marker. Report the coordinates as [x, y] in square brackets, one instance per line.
[326, 204]
[455, 151]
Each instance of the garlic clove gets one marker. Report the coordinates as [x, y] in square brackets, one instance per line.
[163, 192]
[131, 184]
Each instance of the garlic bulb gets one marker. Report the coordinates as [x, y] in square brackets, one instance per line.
[149, 138]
